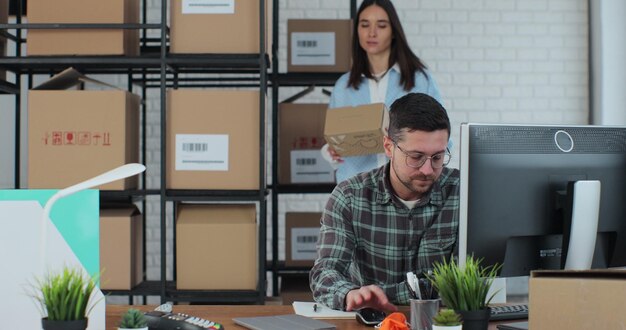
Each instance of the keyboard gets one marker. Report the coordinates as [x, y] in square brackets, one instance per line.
[509, 312]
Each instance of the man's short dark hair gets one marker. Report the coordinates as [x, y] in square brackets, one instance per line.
[417, 112]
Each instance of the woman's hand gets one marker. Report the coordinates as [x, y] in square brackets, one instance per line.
[334, 155]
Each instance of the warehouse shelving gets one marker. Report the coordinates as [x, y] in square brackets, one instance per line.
[155, 68]
[290, 80]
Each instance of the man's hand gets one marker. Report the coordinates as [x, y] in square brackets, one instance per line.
[369, 296]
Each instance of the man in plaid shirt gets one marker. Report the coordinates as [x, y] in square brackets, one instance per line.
[399, 218]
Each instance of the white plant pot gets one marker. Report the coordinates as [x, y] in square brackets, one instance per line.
[447, 327]
[144, 328]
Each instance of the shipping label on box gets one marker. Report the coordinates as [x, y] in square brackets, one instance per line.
[301, 234]
[208, 6]
[319, 45]
[308, 166]
[303, 242]
[354, 131]
[313, 48]
[201, 152]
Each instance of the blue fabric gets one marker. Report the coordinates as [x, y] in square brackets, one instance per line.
[344, 96]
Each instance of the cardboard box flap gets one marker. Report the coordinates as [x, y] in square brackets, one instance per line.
[617, 273]
[70, 77]
[355, 119]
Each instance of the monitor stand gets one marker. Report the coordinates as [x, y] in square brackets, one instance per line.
[580, 226]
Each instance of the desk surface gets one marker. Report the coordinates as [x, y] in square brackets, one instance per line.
[225, 314]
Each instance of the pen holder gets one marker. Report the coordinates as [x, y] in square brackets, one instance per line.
[422, 313]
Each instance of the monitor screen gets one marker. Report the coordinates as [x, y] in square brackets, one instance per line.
[514, 181]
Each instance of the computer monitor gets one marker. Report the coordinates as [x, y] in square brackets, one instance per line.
[515, 202]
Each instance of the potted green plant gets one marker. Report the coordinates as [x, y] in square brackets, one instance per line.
[465, 289]
[65, 299]
[133, 319]
[447, 319]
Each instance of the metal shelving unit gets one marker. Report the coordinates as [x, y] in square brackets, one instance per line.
[290, 80]
[153, 60]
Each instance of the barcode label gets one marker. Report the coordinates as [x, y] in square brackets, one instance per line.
[306, 161]
[306, 239]
[208, 7]
[195, 147]
[303, 241]
[308, 166]
[307, 43]
[312, 48]
[201, 152]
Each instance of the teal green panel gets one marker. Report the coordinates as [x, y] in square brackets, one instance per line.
[76, 217]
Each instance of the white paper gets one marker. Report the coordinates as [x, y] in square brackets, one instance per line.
[313, 48]
[303, 240]
[309, 166]
[305, 308]
[201, 152]
[208, 6]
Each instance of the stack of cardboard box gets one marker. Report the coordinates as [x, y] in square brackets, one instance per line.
[74, 135]
[83, 41]
[216, 247]
[300, 137]
[213, 139]
[121, 248]
[218, 26]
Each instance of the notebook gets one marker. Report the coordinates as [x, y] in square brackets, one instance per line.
[305, 308]
[283, 322]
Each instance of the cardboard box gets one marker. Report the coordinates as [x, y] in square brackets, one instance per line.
[74, 135]
[319, 45]
[216, 247]
[213, 139]
[121, 248]
[83, 41]
[353, 131]
[228, 26]
[302, 231]
[301, 129]
[591, 299]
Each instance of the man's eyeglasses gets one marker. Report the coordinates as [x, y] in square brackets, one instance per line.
[417, 160]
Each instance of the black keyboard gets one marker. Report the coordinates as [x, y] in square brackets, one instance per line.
[509, 312]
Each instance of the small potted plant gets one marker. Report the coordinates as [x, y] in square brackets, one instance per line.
[465, 289]
[65, 299]
[133, 319]
[447, 319]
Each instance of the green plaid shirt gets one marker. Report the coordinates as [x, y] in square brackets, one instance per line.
[368, 236]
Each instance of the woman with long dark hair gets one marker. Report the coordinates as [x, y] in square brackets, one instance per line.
[383, 69]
